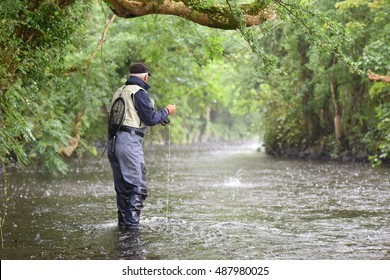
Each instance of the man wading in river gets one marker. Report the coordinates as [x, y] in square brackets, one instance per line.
[126, 134]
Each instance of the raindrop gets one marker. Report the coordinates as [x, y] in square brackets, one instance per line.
[37, 237]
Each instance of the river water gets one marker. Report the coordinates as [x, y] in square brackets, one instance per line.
[225, 201]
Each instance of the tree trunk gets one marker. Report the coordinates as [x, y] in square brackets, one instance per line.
[311, 118]
[74, 141]
[338, 116]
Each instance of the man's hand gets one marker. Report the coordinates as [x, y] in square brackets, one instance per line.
[171, 109]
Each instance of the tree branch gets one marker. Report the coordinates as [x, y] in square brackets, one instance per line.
[101, 41]
[379, 78]
[216, 16]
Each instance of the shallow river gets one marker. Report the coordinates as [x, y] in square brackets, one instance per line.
[224, 201]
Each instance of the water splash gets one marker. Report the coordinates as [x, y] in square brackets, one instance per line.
[234, 181]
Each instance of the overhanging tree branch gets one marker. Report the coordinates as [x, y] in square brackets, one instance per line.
[214, 16]
[378, 78]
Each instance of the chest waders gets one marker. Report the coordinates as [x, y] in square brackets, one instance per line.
[126, 156]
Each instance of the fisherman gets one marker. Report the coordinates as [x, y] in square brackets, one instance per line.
[125, 150]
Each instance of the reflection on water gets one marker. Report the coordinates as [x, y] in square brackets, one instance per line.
[213, 202]
[130, 245]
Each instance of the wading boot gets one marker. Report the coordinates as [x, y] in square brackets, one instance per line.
[129, 219]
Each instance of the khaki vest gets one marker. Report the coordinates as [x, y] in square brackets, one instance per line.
[127, 92]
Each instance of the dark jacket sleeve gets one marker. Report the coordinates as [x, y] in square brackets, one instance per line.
[146, 111]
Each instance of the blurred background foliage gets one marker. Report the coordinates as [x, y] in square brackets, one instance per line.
[278, 82]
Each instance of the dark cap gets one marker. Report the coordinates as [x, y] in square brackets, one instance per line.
[139, 68]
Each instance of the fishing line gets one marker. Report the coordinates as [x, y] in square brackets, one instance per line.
[214, 74]
[168, 176]
[6, 199]
[169, 137]
[235, 57]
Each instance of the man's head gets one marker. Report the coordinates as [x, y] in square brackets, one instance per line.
[140, 69]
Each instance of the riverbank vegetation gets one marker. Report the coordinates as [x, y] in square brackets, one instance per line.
[309, 78]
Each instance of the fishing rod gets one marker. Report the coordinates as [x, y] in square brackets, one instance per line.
[234, 57]
[167, 121]
[190, 92]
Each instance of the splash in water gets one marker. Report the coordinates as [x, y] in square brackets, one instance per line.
[234, 181]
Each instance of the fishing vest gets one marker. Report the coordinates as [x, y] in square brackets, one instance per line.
[128, 92]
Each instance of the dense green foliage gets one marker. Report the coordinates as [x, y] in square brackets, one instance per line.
[282, 82]
[33, 43]
[300, 106]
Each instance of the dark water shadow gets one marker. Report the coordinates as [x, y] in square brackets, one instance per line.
[130, 244]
